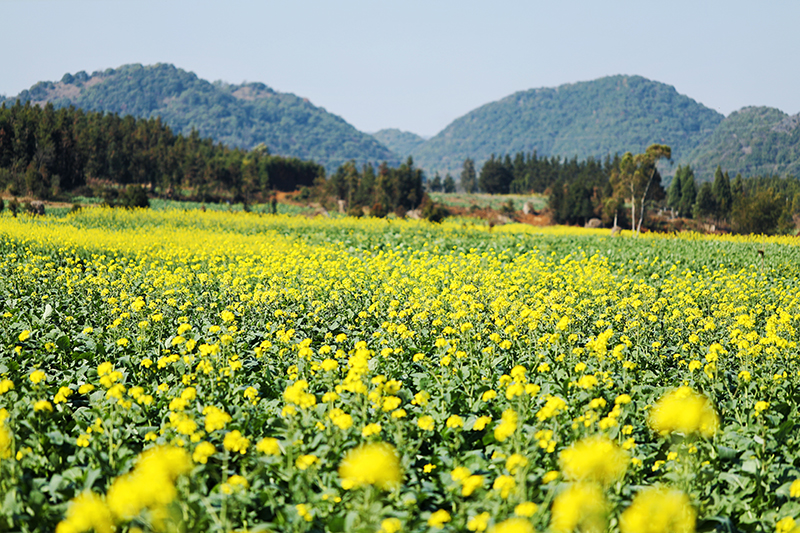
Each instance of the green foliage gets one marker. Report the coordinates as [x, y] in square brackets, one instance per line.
[610, 115]
[432, 211]
[436, 183]
[496, 176]
[392, 188]
[766, 205]
[402, 143]
[135, 196]
[44, 151]
[449, 184]
[723, 197]
[757, 213]
[686, 191]
[752, 141]
[705, 204]
[469, 178]
[242, 116]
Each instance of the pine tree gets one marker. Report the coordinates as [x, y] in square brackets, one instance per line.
[722, 194]
[737, 186]
[674, 192]
[688, 193]
[449, 184]
[436, 183]
[705, 204]
[469, 179]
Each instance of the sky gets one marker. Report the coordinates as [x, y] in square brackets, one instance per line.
[417, 65]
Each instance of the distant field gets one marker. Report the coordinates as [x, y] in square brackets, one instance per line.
[491, 201]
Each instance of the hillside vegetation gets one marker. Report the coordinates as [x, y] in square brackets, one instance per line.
[402, 143]
[241, 116]
[45, 152]
[751, 141]
[610, 115]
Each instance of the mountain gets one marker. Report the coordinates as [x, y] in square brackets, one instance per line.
[593, 118]
[402, 143]
[752, 141]
[243, 115]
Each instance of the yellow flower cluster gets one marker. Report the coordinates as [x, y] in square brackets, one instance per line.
[684, 411]
[371, 464]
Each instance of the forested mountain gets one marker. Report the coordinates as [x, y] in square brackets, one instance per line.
[752, 141]
[402, 143]
[609, 115]
[237, 115]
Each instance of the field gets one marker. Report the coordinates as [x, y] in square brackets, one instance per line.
[222, 371]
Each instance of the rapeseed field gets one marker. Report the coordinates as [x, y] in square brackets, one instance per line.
[210, 371]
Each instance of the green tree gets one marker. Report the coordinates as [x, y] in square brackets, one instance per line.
[674, 191]
[495, 177]
[688, 193]
[758, 213]
[635, 178]
[737, 187]
[705, 204]
[449, 184]
[722, 194]
[436, 183]
[469, 179]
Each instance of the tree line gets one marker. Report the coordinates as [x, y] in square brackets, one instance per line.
[621, 189]
[384, 189]
[45, 152]
[760, 204]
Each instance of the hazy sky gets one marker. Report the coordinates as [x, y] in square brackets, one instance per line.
[417, 65]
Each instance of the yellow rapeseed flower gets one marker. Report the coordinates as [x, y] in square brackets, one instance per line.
[507, 425]
[595, 458]
[658, 510]
[269, 446]
[390, 525]
[151, 484]
[684, 411]
[6, 385]
[6, 438]
[371, 464]
[425, 423]
[234, 441]
[305, 461]
[479, 522]
[86, 512]
[581, 505]
[439, 518]
[202, 452]
[43, 405]
[513, 525]
[504, 485]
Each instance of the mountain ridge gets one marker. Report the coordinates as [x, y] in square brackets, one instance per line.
[594, 118]
[244, 115]
[613, 114]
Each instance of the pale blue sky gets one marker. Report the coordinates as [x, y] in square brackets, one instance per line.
[418, 65]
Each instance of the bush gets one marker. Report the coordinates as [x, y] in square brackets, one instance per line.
[432, 211]
[135, 196]
[377, 210]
